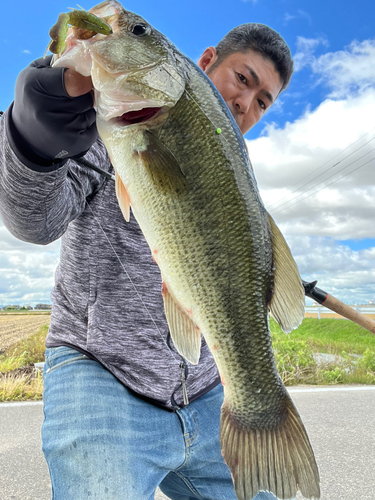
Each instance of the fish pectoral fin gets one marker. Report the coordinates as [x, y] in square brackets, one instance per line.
[185, 334]
[123, 198]
[264, 457]
[287, 304]
[162, 165]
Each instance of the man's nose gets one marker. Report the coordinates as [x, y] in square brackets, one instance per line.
[243, 103]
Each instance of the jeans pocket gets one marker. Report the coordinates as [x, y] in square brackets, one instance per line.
[61, 356]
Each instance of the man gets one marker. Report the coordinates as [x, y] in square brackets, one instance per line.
[124, 413]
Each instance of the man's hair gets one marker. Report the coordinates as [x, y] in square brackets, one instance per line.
[262, 39]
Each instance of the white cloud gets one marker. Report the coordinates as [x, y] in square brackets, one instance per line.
[26, 270]
[284, 156]
[297, 164]
[345, 71]
[288, 17]
[344, 273]
[300, 14]
[26, 51]
[305, 51]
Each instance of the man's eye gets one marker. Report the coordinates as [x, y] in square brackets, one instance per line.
[242, 78]
[261, 104]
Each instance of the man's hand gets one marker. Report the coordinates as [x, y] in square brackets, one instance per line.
[52, 116]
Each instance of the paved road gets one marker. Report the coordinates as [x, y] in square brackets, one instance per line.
[340, 422]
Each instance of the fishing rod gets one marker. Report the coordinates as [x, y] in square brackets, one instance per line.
[324, 298]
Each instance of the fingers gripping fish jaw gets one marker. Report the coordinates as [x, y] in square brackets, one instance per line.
[88, 24]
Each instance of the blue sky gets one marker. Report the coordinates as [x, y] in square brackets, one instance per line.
[319, 130]
[193, 25]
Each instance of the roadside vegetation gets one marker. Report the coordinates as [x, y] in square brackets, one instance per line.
[319, 352]
[325, 351]
[19, 379]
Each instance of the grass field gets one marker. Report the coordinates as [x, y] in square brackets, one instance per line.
[31, 312]
[351, 347]
[331, 335]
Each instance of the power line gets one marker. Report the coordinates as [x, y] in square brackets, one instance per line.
[329, 177]
[333, 182]
[277, 203]
[335, 165]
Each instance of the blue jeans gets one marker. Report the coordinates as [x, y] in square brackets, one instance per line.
[101, 442]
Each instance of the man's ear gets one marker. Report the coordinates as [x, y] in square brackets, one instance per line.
[207, 59]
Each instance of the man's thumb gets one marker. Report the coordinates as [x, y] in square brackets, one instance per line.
[76, 84]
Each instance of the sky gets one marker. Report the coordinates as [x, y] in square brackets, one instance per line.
[313, 152]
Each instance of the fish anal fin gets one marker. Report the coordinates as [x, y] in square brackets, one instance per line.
[287, 304]
[162, 165]
[185, 334]
[123, 198]
[278, 458]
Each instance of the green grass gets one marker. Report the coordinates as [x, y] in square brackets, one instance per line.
[24, 353]
[331, 335]
[18, 381]
[294, 353]
[18, 387]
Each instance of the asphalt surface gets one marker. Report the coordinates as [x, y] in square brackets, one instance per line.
[340, 423]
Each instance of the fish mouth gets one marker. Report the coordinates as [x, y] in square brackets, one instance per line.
[138, 116]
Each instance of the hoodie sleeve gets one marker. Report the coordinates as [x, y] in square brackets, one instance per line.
[37, 206]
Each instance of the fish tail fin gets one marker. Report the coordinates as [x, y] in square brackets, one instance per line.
[287, 305]
[277, 459]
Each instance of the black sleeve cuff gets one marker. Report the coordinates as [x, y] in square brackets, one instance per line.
[24, 151]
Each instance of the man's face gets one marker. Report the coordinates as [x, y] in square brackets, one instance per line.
[248, 83]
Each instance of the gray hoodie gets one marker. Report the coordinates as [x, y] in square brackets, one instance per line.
[96, 309]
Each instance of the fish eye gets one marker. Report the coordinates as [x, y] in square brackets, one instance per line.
[140, 30]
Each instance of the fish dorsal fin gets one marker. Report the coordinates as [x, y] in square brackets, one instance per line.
[162, 165]
[185, 334]
[288, 301]
[123, 198]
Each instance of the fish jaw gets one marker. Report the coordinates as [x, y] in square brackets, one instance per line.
[117, 94]
[129, 73]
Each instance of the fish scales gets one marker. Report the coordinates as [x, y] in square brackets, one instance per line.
[215, 261]
[195, 197]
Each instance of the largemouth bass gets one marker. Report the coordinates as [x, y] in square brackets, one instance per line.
[182, 166]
